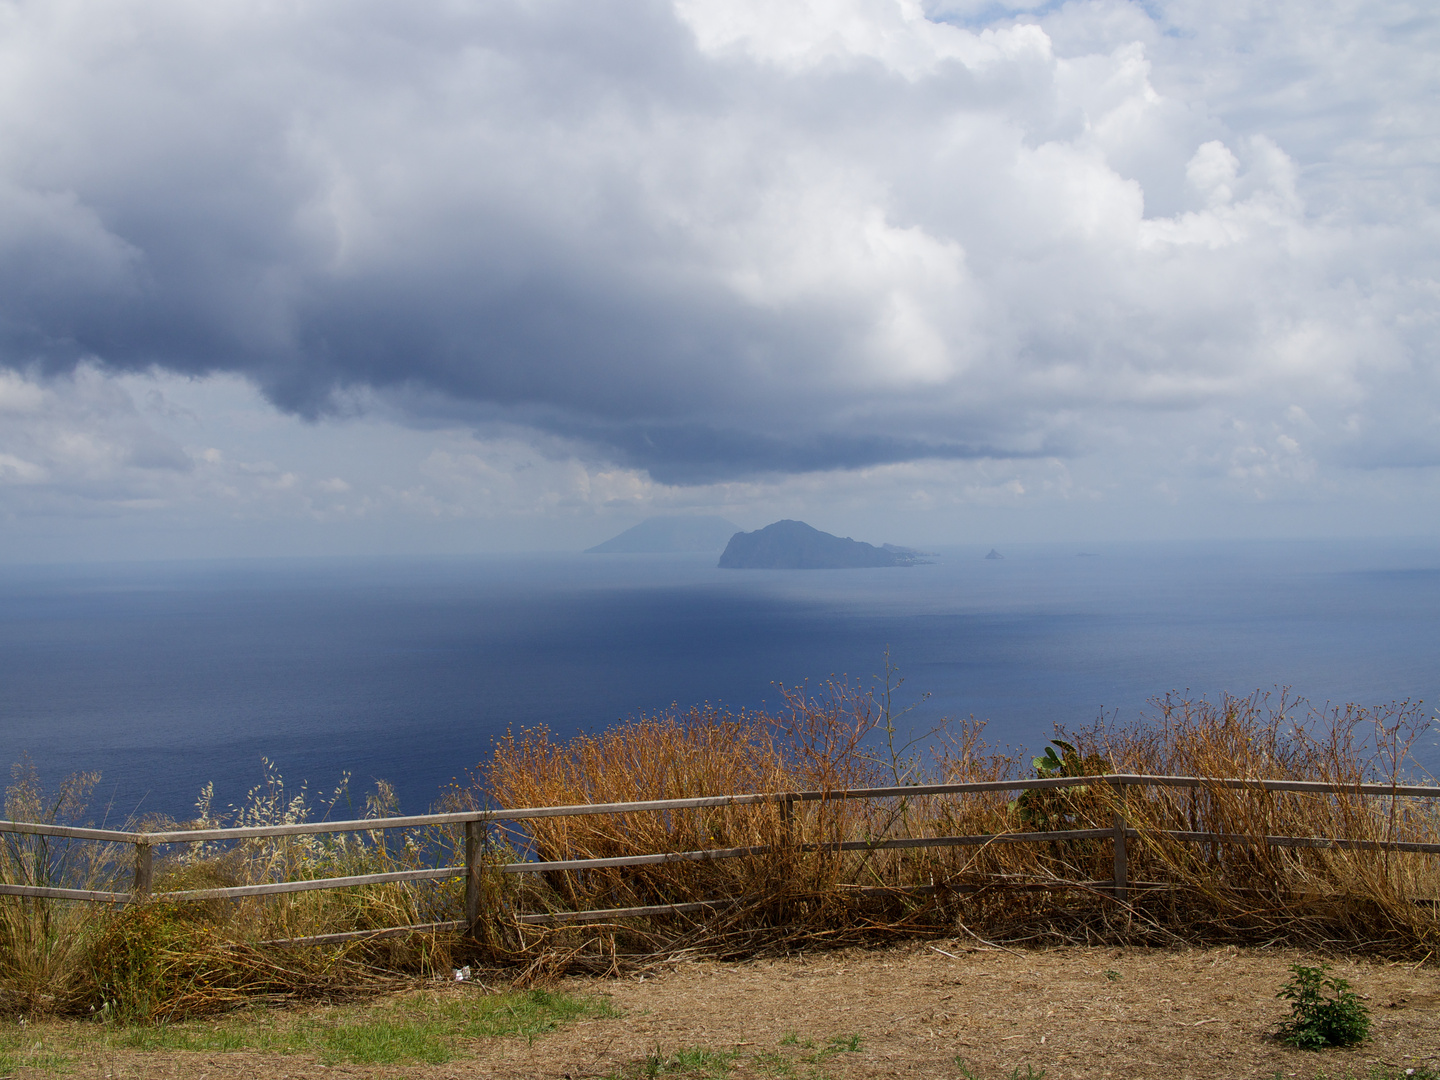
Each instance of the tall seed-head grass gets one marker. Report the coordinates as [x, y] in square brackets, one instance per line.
[257, 860]
[160, 960]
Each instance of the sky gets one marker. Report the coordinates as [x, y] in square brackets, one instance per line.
[302, 277]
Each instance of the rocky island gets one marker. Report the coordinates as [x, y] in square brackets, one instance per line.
[793, 545]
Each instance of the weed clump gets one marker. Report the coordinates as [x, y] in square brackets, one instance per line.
[164, 961]
[149, 957]
[1324, 1011]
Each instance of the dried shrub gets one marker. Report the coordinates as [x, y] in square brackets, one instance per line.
[802, 889]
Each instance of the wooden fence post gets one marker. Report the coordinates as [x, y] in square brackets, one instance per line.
[144, 872]
[1121, 870]
[472, 876]
[787, 818]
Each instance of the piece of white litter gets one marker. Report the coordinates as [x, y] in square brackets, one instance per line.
[462, 974]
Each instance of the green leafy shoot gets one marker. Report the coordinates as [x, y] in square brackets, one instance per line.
[1324, 1011]
[1051, 809]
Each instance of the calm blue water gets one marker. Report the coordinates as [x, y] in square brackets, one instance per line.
[165, 676]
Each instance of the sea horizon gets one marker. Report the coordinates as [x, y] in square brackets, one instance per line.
[166, 676]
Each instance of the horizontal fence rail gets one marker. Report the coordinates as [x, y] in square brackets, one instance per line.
[190, 836]
[473, 821]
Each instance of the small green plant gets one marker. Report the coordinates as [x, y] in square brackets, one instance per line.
[1324, 1011]
[1112, 975]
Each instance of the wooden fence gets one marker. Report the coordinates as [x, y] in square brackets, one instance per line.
[476, 825]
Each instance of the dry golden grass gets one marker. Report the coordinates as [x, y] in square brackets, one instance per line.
[1319, 897]
[802, 890]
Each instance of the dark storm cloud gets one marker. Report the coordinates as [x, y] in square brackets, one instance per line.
[708, 240]
[696, 453]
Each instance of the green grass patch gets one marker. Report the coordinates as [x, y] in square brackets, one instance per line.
[694, 1063]
[796, 1058]
[427, 1028]
[769, 1063]
[20, 1048]
[383, 1043]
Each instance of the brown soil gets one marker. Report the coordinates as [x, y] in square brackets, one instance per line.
[1075, 1012]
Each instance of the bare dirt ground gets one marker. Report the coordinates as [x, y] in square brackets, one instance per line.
[912, 1011]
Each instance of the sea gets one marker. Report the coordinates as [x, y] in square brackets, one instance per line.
[163, 677]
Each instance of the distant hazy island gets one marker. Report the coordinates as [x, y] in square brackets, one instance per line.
[793, 545]
[658, 535]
